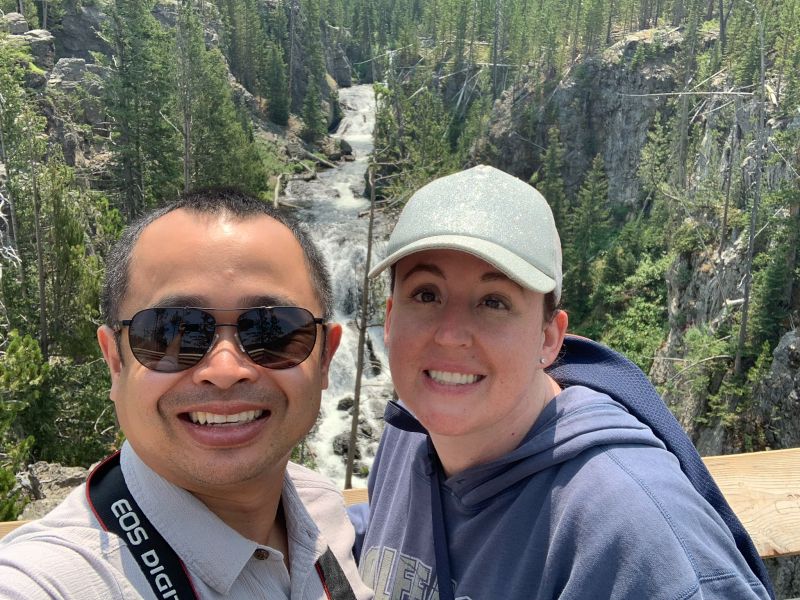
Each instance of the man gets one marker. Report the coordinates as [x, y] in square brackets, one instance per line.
[523, 465]
[218, 341]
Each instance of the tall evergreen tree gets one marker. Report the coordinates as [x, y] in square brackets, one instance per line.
[313, 117]
[550, 183]
[140, 96]
[276, 87]
[588, 231]
[219, 149]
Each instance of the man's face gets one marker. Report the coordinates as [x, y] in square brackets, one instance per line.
[464, 343]
[188, 259]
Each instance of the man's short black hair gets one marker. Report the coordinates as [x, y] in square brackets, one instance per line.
[212, 201]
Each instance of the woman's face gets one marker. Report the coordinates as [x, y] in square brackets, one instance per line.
[464, 345]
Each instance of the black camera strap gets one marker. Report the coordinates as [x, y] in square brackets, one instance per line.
[118, 512]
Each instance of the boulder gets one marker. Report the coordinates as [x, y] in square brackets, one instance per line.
[67, 73]
[14, 23]
[73, 74]
[43, 49]
[345, 403]
[341, 445]
[47, 485]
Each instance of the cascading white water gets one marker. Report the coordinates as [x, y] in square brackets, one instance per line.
[330, 206]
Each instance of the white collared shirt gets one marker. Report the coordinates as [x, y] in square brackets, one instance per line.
[68, 555]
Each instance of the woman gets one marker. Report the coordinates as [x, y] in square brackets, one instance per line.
[500, 480]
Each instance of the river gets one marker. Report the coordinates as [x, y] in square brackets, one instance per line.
[334, 208]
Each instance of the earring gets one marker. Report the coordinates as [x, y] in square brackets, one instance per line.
[542, 360]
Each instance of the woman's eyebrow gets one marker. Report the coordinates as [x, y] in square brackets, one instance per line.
[498, 276]
[424, 268]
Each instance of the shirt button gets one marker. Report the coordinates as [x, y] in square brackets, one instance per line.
[261, 554]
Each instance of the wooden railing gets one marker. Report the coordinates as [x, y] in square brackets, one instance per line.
[763, 488]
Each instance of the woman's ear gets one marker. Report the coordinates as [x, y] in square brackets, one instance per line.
[554, 332]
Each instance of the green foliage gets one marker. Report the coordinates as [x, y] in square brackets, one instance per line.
[707, 358]
[72, 419]
[412, 131]
[218, 142]
[588, 231]
[276, 88]
[774, 277]
[635, 319]
[314, 119]
[22, 375]
[549, 180]
[140, 98]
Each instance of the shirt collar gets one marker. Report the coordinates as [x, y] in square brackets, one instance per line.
[210, 549]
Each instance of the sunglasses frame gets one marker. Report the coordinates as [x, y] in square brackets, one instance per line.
[119, 325]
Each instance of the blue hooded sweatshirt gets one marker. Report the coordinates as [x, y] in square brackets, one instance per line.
[590, 505]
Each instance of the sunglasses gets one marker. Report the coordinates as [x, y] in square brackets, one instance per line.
[172, 339]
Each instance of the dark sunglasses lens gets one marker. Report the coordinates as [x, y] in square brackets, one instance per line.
[278, 338]
[170, 339]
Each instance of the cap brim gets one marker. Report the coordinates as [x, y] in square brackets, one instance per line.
[510, 264]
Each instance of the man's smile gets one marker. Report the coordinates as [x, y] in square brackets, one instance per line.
[209, 418]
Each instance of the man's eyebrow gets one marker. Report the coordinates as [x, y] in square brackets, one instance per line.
[180, 300]
[266, 300]
[423, 268]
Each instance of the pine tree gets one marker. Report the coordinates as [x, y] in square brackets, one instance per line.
[313, 117]
[551, 183]
[588, 230]
[276, 88]
[140, 97]
[221, 146]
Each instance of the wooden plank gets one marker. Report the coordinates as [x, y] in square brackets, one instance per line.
[355, 496]
[763, 488]
[9, 526]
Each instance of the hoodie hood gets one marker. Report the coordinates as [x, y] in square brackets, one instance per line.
[576, 420]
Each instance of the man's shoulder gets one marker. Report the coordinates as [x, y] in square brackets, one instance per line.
[67, 552]
[70, 516]
[305, 480]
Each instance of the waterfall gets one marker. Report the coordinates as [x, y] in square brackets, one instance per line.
[334, 208]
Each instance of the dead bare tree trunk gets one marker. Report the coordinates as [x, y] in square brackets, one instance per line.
[292, 19]
[726, 186]
[496, 49]
[362, 329]
[37, 223]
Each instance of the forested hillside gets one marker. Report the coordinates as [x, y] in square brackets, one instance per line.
[666, 136]
[664, 133]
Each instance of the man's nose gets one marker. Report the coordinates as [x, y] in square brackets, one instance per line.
[226, 363]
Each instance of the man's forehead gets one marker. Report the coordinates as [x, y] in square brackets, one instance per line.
[204, 256]
[179, 219]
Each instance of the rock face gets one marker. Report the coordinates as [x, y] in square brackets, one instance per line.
[81, 85]
[80, 33]
[779, 394]
[47, 485]
[13, 23]
[43, 49]
[336, 61]
[604, 105]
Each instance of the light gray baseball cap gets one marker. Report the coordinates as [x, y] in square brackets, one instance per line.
[489, 214]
